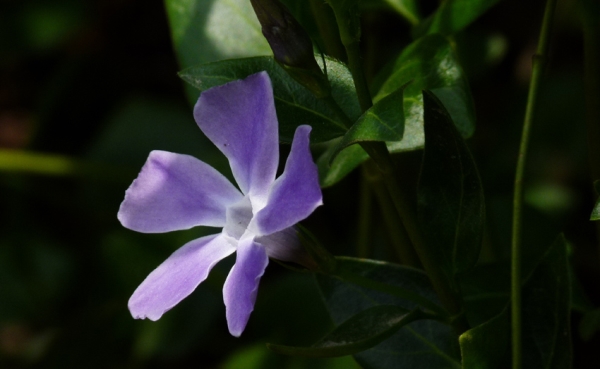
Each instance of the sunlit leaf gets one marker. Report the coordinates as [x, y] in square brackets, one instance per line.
[428, 63]
[295, 105]
[421, 344]
[204, 31]
[359, 333]
[344, 163]
[384, 121]
[452, 16]
[450, 195]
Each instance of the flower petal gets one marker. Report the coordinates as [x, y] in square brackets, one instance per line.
[175, 191]
[285, 246]
[178, 276]
[296, 193]
[241, 285]
[239, 118]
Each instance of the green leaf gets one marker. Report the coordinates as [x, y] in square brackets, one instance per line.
[421, 344]
[450, 195]
[589, 325]
[486, 346]
[295, 105]
[347, 14]
[596, 212]
[330, 172]
[428, 63]
[205, 31]
[486, 291]
[406, 8]
[359, 333]
[452, 16]
[384, 121]
[546, 312]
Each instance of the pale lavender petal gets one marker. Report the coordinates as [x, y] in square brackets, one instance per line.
[178, 276]
[285, 246]
[175, 191]
[239, 118]
[296, 193]
[241, 285]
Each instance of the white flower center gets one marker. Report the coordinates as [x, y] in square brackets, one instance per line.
[238, 216]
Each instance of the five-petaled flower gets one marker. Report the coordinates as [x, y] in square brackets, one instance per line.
[175, 191]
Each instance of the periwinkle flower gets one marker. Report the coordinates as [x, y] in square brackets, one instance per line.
[175, 191]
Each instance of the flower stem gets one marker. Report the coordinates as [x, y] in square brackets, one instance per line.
[538, 62]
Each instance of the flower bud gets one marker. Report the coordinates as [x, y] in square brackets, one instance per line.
[291, 45]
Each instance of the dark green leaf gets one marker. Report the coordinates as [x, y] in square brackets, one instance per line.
[359, 333]
[295, 105]
[486, 346]
[384, 121]
[347, 14]
[452, 16]
[450, 195]
[422, 344]
[546, 312]
[428, 63]
[486, 291]
[597, 187]
[589, 325]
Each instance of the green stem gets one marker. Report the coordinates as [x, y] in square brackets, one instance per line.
[538, 63]
[398, 235]
[61, 166]
[364, 220]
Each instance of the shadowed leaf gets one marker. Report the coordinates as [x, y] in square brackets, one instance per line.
[450, 195]
[359, 333]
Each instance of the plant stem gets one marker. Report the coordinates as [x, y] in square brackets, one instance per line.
[398, 235]
[364, 220]
[538, 63]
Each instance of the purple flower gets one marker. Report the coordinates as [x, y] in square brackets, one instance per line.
[175, 191]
